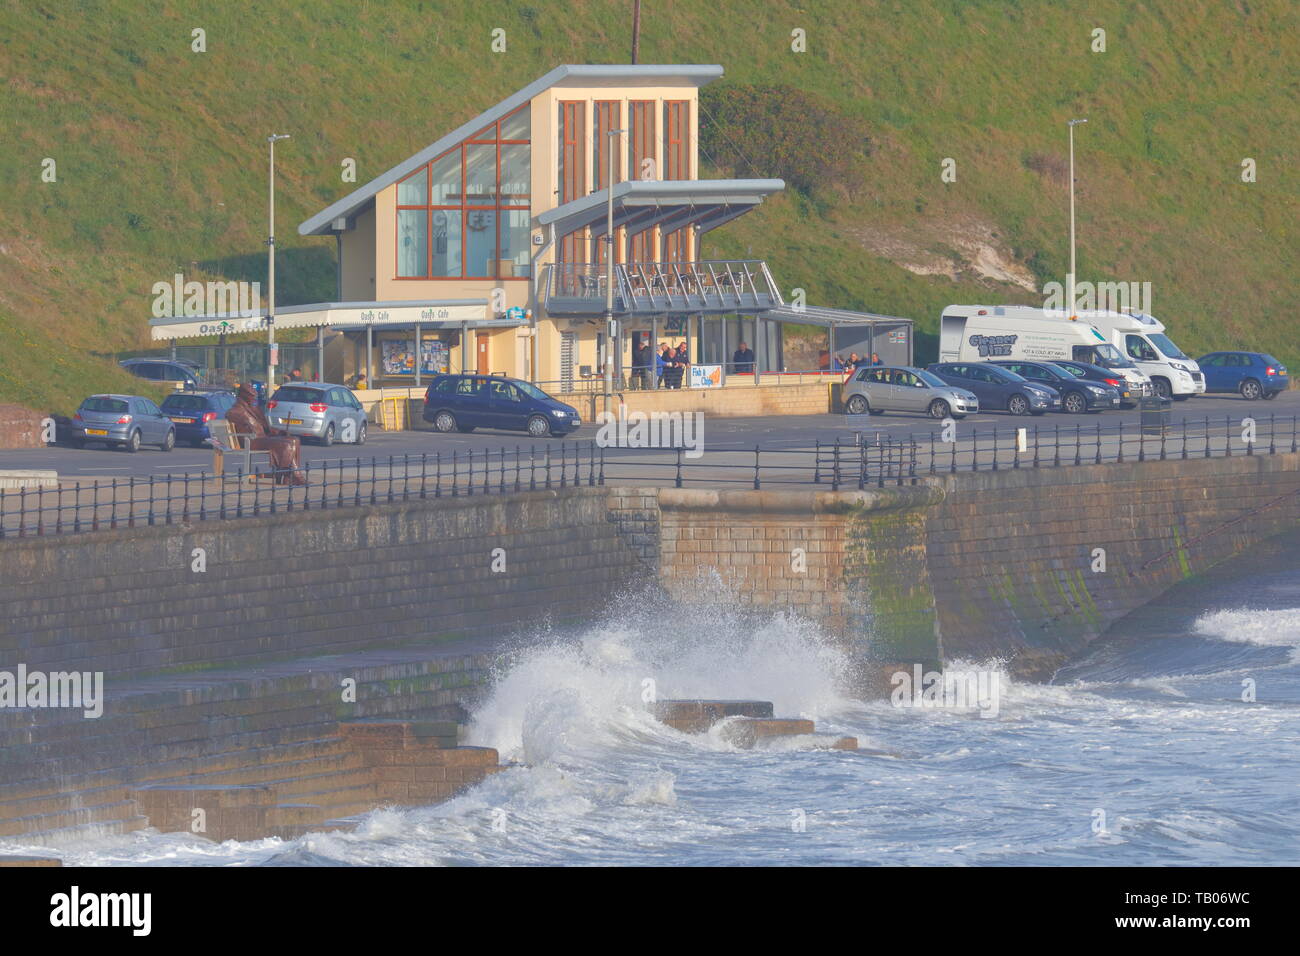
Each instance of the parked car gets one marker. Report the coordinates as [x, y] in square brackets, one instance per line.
[320, 411]
[1077, 395]
[880, 388]
[999, 388]
[1128, 392]
[1252, 375]
[190, 412]
[127, 421]
[466, 402]
[185, 374]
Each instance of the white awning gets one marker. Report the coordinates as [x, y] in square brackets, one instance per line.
[378, 314]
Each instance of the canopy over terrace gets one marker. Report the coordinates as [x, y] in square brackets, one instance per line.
[659, 287]
[459, 314]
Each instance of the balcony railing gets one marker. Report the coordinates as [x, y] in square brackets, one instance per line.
[715, 285]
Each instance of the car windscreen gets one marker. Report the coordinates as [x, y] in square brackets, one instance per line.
[1110, 357]
[185, 403]
[1057, 373]
[934, 381]
[306, 396]
[531, 390]
[103, 405]
[1167, 347]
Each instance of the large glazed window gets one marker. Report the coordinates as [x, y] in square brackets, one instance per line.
[466, 214]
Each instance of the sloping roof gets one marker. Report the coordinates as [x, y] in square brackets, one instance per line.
[629, 75]
[639, 204]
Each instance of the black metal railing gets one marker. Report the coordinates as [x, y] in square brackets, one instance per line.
[863, 460]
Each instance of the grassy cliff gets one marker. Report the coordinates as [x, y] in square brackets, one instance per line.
[161, 161]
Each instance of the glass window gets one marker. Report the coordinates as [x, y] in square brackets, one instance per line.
[516, 188]
[414, 190]
[481, 242]
[103, 405]
[446, 242]
[446, 180]
[454, 229]
[481, 174]
[518, 125]
[443, 385]
[412, 242]
[514, 242]
[469, 386]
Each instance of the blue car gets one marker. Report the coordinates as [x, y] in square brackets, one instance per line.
[466, 402]
[1252, 375]
[191, 412]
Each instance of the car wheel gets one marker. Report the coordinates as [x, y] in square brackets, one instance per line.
[1018, 405]
[132, 444]
[1250, 390]
[538, 427]
[170, 442]
[1074, 403]
[939, 409]
[856, 405]
[328, 438]
[1162, 388]
[444, 422]
[361, 434]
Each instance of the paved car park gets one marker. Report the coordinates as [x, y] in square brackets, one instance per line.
[718, 434]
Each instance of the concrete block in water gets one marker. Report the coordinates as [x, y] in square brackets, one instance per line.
[697, 716]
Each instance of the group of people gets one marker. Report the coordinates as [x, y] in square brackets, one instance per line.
[669, 365]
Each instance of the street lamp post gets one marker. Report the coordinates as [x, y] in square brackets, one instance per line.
[611, 329]
[270, 269]
[1069, 279]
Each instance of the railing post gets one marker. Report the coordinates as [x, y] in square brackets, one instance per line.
[677, 481]
[1227, 436]
[1207, 436]
[817, 461]
[1078, 433]
[757, 479]
[835, 469]
[1097, 460]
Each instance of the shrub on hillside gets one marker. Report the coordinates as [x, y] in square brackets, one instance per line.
[779, 131]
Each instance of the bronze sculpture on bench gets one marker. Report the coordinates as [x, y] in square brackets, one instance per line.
[286, 451]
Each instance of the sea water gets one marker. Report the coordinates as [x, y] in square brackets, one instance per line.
[1175, 739]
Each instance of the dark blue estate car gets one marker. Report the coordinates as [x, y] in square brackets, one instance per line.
[1251, 374]
[192, 411]
[466, 402]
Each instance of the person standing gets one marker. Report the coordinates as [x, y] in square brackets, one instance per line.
[663, 362]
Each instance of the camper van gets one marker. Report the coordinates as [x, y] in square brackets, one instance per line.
[975, 333]
[1141, 338]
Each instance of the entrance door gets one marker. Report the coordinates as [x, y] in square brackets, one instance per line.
[481, 350]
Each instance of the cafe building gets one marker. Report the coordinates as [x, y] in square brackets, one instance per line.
[487, 250]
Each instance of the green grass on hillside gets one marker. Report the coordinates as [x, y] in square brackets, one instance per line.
[161, 162]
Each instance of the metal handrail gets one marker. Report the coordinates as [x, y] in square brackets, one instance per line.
[866, 460]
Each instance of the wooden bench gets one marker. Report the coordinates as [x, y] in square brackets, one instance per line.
[226, 442]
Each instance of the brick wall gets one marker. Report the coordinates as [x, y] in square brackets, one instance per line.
[128, 603]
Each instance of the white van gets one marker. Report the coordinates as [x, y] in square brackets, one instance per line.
[973, 333]
[1141, 338]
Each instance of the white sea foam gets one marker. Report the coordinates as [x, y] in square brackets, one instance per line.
[1269, 628]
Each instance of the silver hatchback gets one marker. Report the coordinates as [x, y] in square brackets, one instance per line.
[878, 389]
[326, 413]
